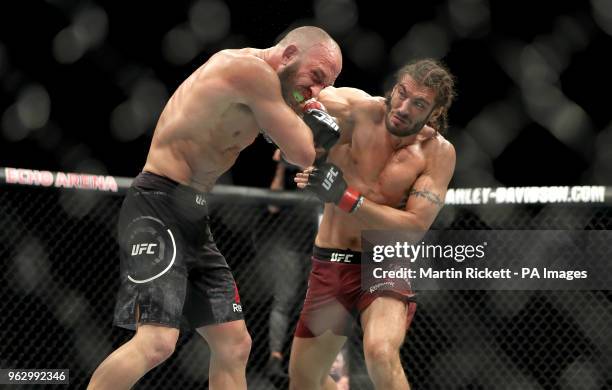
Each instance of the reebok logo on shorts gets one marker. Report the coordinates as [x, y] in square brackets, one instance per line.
[236, 305]
[383, 284]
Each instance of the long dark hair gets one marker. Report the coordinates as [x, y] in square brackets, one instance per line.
[435, 75]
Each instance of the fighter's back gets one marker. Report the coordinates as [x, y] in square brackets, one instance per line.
[206, 122]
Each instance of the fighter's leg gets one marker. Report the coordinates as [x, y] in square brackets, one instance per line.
[384, 330]
[152, 288]
[214, 309]
[149, 347]
[321, 330]
[230, 344]
[311, 360]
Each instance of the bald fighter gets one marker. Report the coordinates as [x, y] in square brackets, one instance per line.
[389, 170]
[172, 274]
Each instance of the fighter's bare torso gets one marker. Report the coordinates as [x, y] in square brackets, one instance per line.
[202, 129]
[381, 171]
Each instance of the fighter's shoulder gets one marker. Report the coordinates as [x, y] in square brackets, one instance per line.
[243, 71]
[346, 101]
[343, 95]
[440, 150]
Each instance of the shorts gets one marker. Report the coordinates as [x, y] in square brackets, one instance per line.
[171, 268]
[335, 294]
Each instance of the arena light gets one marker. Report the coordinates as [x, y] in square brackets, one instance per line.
[365, 48]
[427, 39]
[91, 25]
[210, 20]
[180, 45]
[602, 13]
[33, 106]
[68, 47]
[338, 17]
[13, 129]
[470, 18]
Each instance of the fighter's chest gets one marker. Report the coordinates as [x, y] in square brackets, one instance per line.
[238, 125]
[382, 173]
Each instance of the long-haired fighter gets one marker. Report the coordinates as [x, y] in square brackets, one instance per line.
[389, 170]
[172, 273]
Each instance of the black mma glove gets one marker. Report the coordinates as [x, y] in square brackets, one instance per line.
[327, 183]
[325, 130]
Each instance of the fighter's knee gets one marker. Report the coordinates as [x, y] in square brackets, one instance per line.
[242, 348]
[159, 351]
[235, 349]
[157, 346]
[380, 353]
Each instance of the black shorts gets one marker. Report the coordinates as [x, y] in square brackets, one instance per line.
[171, 268]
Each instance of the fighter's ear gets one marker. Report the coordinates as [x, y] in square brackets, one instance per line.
[289, 53]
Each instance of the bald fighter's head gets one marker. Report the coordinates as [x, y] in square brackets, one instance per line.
[308, 36]
[310, 61]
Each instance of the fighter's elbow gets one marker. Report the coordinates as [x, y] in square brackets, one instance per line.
[304, 157]
[309, 157]
[413, 223]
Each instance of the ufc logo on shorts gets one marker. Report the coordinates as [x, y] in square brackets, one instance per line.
[327, 120]
[341, 257]
[200, 200]
[329, 178]
[138, 249]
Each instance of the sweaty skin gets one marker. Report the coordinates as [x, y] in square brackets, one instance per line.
[223, 106]
[404, 179]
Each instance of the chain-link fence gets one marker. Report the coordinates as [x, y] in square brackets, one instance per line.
[60, 275]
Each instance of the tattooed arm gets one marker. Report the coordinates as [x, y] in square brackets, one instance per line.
[425, 198]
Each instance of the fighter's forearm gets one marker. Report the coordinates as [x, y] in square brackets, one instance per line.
[328, 183]
[374, 216]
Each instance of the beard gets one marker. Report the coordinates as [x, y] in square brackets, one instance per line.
[287, 80]
[409, 128]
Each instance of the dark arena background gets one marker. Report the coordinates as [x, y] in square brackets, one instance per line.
[83, 82]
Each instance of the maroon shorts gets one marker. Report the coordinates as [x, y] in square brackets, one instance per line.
[335, 293]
